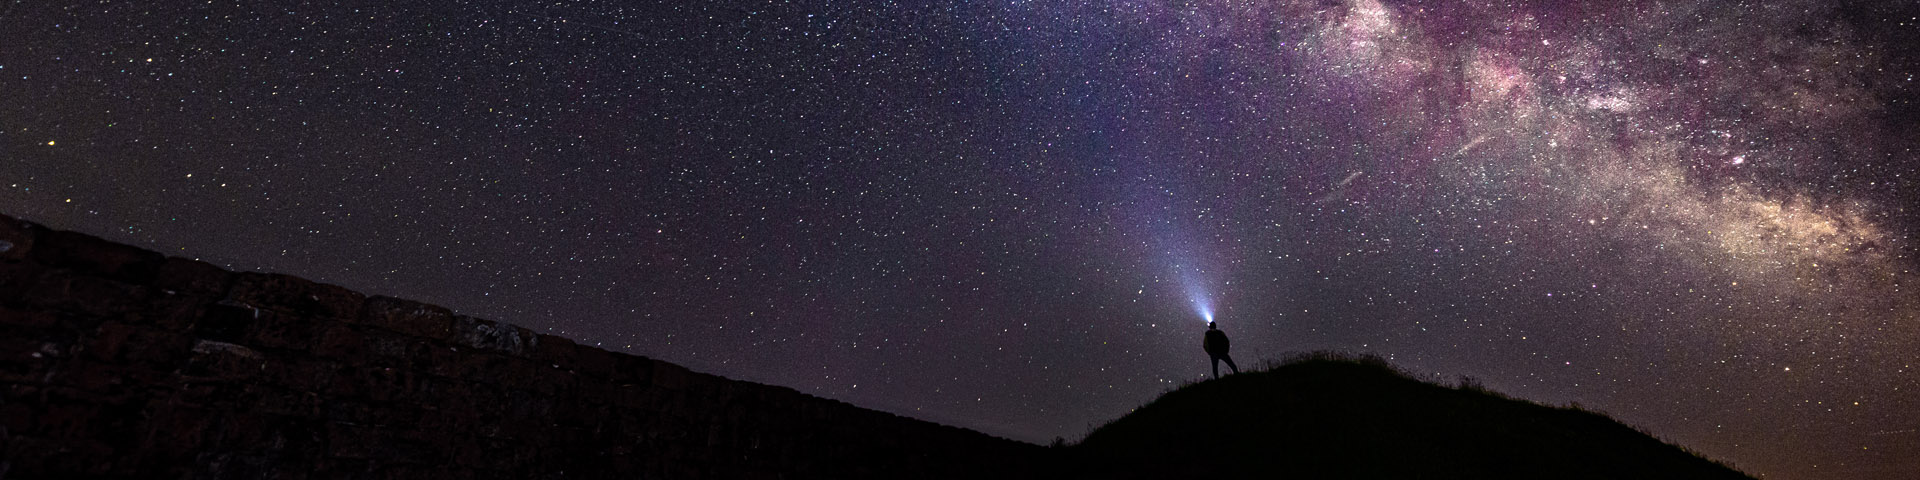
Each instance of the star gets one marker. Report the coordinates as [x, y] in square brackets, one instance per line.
[1001, 201]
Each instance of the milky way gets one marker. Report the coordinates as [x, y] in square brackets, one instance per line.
[1697, 216]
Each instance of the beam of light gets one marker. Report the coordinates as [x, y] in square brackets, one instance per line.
[1197, 293]
[1184, 254]
[1186, 257]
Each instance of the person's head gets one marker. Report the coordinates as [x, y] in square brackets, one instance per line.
[1210, 326]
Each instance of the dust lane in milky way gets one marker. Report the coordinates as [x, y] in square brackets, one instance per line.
[1695, 216]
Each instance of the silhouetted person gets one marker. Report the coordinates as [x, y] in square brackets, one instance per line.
[1216, 345]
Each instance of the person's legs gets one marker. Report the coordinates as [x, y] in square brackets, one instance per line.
[1216, 367]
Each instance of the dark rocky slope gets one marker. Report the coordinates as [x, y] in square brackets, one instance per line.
[117, 362]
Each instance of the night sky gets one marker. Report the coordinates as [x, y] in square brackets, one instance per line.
[1698, 216]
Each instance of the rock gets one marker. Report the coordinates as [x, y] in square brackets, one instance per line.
[90, 297]
[213, 360]
[281, 331]
[144, 346]
[16, 279]
[594, 363]
[341, 342]
[295, 294]
[226, 321]
[90, 254]
[408, 317]
[192, 277]
[172, 312]
[487, 335]
[32, 320]
[559, 351]
[630, 370]
[16, 237]
[670, 376]
[303, 375]
[30, 359]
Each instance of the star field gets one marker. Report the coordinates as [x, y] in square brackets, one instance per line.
[1696, 216]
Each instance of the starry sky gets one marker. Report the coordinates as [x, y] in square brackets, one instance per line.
[1698, 216]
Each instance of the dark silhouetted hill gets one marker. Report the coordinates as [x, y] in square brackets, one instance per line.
[1329, 416]
[118, 362]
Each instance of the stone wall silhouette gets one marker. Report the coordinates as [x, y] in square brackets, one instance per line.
[121, 362]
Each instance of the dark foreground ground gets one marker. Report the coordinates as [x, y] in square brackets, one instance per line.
[1330, 416]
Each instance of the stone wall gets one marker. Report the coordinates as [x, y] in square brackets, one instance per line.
[120, 362]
